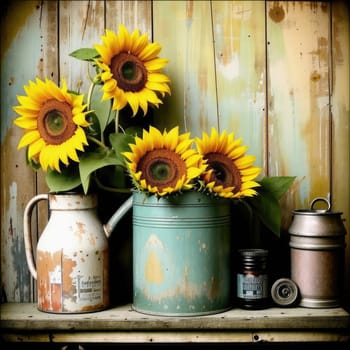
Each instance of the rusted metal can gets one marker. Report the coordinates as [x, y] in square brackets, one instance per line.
[317, 241]
[72, 255]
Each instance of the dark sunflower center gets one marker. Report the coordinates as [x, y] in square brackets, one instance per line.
[55, 122]
[225, 172]
[162, 168]
[129, 72]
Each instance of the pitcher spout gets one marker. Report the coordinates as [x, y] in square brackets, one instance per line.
[117, 216]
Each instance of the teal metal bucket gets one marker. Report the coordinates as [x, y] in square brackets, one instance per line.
[181, 254]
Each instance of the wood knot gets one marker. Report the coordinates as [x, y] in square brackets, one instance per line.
[276, 13]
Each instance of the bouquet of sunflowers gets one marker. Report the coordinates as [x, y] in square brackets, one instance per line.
[75, 138]
[71, 136]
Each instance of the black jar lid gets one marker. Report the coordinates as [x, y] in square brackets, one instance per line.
[253, 252]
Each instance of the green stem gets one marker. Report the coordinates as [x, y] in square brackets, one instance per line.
[96, 141]
[116, 118]
[91, 90]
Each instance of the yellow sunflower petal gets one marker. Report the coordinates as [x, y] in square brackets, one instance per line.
[245, 161]
[35, 148]
[139, 44]
[26, 123]
[28, 138]
[155, 65]
[149, 52]
[237, 152]
[29, 103]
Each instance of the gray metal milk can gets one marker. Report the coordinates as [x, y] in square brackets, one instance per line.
[317, 241]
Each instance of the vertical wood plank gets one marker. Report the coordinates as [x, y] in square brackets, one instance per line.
[81, 24]
[132, 14]
[20, 59]
[48, 68]
[184, 29]
[341, 124]
[298, 98]
[239, 36]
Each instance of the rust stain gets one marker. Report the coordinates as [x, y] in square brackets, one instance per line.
[189, 9]
[214, 290]
[105, 272]
[92, 240]
[80, 229]
[153, 269]
[187, 288]
[49, 281]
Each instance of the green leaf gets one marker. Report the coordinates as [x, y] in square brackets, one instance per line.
[134, 131]
[91, 161]
[120, 143]
[267, 208]
[94, 128]
[277, 186]
[266, 204]
[67, 180]
[102, 109]
[85, 54]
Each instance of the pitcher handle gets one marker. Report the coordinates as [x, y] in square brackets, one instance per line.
[113, 221]
[27, 219]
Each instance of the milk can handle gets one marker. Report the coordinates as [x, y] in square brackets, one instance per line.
[321, 199]
[27, 219]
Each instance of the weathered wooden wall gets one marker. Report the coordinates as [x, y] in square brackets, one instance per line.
[274, 72]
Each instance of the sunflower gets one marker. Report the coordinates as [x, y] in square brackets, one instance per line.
[163, 163]
[53, 119]
[230, 172]
[131, 70]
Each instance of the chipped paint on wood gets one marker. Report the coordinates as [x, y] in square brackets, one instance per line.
[17, 180]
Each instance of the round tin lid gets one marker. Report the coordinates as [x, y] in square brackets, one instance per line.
[284, 292]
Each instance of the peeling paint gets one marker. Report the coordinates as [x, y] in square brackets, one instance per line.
[153, 269]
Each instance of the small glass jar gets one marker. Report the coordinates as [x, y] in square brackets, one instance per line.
[252, 279]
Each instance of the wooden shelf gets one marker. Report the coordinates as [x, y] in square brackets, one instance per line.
[23, 322]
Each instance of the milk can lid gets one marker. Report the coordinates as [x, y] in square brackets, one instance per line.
[314, 211]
